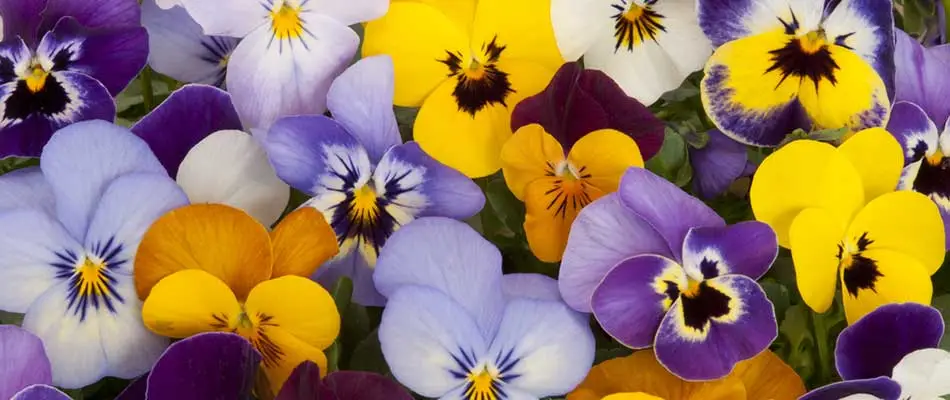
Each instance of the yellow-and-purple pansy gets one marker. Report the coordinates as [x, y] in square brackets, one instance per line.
[764, 376]
[289, 53]
[69, 231]
[453, 329]
[810, 64]
[467, 63]
[572, 143]
[838, 213]
[683, 285]
[213, 268]
[648, 46]
[61, 62]
[360, 176]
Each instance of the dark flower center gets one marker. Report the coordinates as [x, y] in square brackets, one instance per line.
[480, 83]
[702, 303]
[804, 57]
[635, 25]
[860, 272]
[933, 177]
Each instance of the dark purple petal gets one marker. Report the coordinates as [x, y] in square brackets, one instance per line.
[921, 76]
[355, 385]
[304, 384]
[23, 361]
[717, 165]
[873, 345]
[634, 296]
[112, 56]
[913, 129]
[448, 193]
[579, 101]
[882, 387]
[189, 115]
[21, 18]
[92, 14]
[40, 392]
[212, 365]
[727, 320]
[725, 20]
[667, 208]
[136, 389]
[747, 248]
[298, 147]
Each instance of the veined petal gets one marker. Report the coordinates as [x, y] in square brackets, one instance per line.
[915, 132]
[876, 155]
[747, 248]
[634, 296]
[221, 240]
[922, 374]
[726, 20]
[814, 235]
[190, 302]
[23, 360]
[882, 276]
[236, 18]
[226, 364]
[728, 316]
[302, 241]
[183, 120]
[26, 187]
[602, 157]
[293, 352]
[880, 388]
[179, 48]
[361, 100]
[249, 182]
[271, 76]
[430, 341]
[528, 155]
[552, 204]
[33, 244]
[919, 75]
[866, 27]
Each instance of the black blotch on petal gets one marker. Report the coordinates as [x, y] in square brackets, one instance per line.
[709, 268]
[705, 304]
[861, 274]
[491, 87]
[793, 61]
[51, 100]
[934, 179]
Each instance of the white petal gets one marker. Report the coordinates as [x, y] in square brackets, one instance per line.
[530, 286]
[578, 23]
[230, 167]
[924, 374]
[945, 139]
[269, 78]
[351, 11]
[683, 40]
[130, 348]
[644, 73]
[26, 187]
[166, 4]
[235, 18]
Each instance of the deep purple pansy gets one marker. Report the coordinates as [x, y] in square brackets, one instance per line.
[305, 384]
[718, 164]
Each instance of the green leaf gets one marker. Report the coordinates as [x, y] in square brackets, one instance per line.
[797, 332]
[506, 207]
[828, 135]
[368, 356]
[11, 164]
[602, 355]
[671, 157]
[942, 303]
[342, 293]
[779, 295]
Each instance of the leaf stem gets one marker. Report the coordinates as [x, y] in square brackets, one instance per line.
[825, 357]
[946, 20]
[148, 94]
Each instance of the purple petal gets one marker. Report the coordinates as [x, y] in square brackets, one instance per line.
[921, 76]
[530, 286]
[23, 361]
[212, 365]
[136, 390]
[179, 48]
[604, 234]
[114, 56]
[355, 385]
[354, 266]
[873, 345]
[875, 39]
[92, 14]
[300, 148]
[361, 99]
[728, 320]
[21, 18]
[667, 208]
[304, 384]
[747, 248]
[189, 115]
[725, 20]
[882, 388]
[717, 165]
[913, 129]
[40, 392]
[447, 192]
[634, 296]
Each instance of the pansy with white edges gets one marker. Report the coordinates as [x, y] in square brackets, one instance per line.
[290, 52]
[69, 256]
[357, 172]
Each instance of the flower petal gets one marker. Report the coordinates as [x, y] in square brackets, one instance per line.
[634, 296]
[747, 248]
[302, 242]
[527, 156]
[604, 233]
[578, 25]
[530, 286]
[23, 361]
[271, 79]
[813, 238]
[26, 187]
[429, 340]
[456, 260]
[352, 264]
[551, 210]
[40, 392]
[304, 383]
[922, 374]
[881, 388]
[916, 133]
[919, 75]
[306, 150]
[98, 14]
[361, 100]
[248, 183]
[235, 18]
[188, 115]
[896, 278]
[866, 27]
[605, 155]
[21, 18]
[293, 352]
[717, 165]
[297, 306]
[726, 20]
[220, 240]
[767, 376]
[357, 385]
[352, 12]
[207, 365]
[878, 158]
[893, 331]
[655, 199]
[190, 302]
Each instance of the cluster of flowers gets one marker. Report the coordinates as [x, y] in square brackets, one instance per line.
[174, 253]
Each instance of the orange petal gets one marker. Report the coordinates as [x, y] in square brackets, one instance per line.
[218, 239]
[552, 204]
[766, 376]
[302, 242]
[531, 153]
[603, 156]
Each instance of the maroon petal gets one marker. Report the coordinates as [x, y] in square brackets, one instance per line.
[356, 385]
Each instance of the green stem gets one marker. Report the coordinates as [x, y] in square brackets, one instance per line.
[825, 356]
[946, 18]
[148, 94]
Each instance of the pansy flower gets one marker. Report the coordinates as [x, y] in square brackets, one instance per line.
[179, 48]
[648, 46]
[810, 64]
[836, 210]
[289, 53]
[693, 293]
[467, 63]
[25, 372]
[69, 254]
[196, 134]
[451, 331]
[306, 384]
[920, 120]
[718, 164]
[764, 376]
[213, 268]
[61, 62]
[572, 143]
[359, 175]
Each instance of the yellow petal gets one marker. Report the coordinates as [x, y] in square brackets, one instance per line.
[800, 175]
[905, 222]
[189, 302]
[878, 158]
[293, 351]
[901, 279]
[219, 239]
[298, 306]
[815, 235]
[461, 12]
[856, 100]
[605, 155]
[766, 376]
[302, 242]
[527, 77]
[417, 36]
[530, 154]
[631, 396]
[523, 27]
[551, 205]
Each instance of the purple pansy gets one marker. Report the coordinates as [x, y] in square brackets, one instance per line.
[452, 328]
[24, 369]
[359, 175]
[718, 164]
[61, 61]
[305, 384]
[659, 268]
[880, 388]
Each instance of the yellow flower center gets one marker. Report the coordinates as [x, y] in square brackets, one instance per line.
[634, 13]
[254, 327]
[813, 41]
[364, 204]
[935, 159]
[692, 290]
[285, 22]
[92, 279]
[481, 386]
[635, 25]
[475, 70]
[36, 81]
